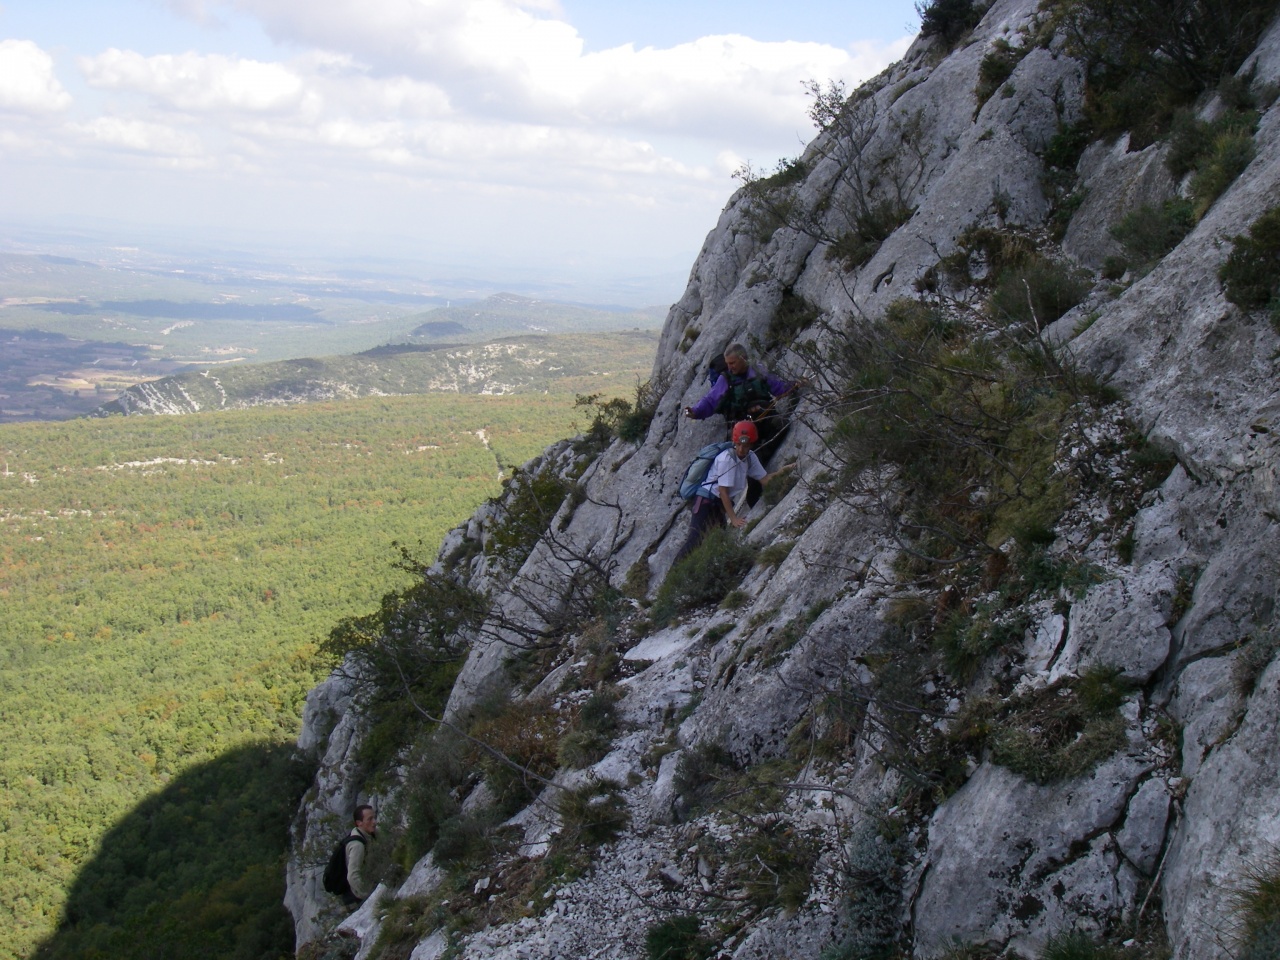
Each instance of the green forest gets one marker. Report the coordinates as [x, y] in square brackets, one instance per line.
[164, 582]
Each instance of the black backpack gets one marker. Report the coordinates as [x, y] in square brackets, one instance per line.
[335, 871]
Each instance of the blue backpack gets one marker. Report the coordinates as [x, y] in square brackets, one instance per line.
[696, 475]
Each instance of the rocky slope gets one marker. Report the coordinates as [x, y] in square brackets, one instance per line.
[876, 744]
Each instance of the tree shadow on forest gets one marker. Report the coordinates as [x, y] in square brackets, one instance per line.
[195, 871]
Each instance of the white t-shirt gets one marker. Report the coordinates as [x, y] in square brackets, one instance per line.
[728, 471]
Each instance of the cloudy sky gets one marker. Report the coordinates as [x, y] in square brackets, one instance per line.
[566, 135]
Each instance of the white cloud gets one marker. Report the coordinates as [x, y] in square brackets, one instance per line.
[140, 136]
[495, 58]
[192, 81]
[27, 81]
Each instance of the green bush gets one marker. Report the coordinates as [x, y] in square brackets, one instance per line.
[997, 67]
[772, 862]
[1148, 233]
[427, 799]
[622, 419]
[873, 896]
[1251, 275]
[406, 655]
[529, 502]
[1062, 731]
[704, 775]
[793, 316]
[1077, 945]
[1230, 154]
[1257, 905]
[948, 19]
[589, 739]
[1257, 653]
[789, 171]
[527, 734]
[871, 228]
[592, 814]
[679, 938]
[705, 576]
[1263, 943]
[965, 640]
[466, 838]
[1145, 59]
[1037, 292]
[952, 413]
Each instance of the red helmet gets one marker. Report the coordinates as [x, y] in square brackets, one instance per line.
[745, 430]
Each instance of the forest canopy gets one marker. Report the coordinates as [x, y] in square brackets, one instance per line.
[163, 583]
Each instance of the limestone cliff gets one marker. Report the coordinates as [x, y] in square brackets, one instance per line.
[897, 733]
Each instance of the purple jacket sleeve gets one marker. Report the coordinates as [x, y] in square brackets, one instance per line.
[707, 405]
[777, 386]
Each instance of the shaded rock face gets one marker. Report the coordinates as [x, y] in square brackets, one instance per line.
[793, 679]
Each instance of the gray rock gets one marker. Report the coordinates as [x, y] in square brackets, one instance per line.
[1117, 624]
[1005, 859]
[1114, 182]
[1142, 837]
[1230, 825]
[1207, 706]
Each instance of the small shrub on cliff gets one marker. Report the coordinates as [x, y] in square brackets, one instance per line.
[996, 67]
[1257, 653]
[772, 863]
[406, 655]
[679, 938]
[526, 735]
[703, 777]
[1036, 292]
[592, 814]
[428, 799]
[1077, 945]
[949, 19]
[794, 315]
[1062, 731]
[530, 501]
[705, 576]
[592, 734]
[1257, 909]
[1148, 233]
[1251, 274]
[873, 895]
[622, 419]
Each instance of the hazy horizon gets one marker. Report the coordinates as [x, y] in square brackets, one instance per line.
[545, 143]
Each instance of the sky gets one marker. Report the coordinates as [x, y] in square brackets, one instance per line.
[565, 136]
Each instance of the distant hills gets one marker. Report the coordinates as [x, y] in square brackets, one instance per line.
[506, 313]
[521, 364]
[75, 334]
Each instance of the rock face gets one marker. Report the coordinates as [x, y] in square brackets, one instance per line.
[810, 690]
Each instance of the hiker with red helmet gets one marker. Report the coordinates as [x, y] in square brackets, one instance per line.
[726, 479]
[741, 391]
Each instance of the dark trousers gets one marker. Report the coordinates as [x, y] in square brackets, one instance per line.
[707, 515]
